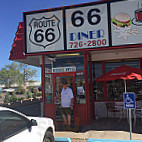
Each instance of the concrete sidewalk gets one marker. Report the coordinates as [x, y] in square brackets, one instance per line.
[83, 136]
[104, 129]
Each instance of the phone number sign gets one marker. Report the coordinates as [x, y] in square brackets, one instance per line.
[67, 28]
[87, 27]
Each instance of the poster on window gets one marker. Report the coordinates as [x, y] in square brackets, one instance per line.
[87, 26]
[44, 31]
[126, 22]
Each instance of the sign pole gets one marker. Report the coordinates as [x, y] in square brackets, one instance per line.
[130, 123]
[129, 104]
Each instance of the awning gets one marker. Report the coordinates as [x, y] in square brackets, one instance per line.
[18, 48]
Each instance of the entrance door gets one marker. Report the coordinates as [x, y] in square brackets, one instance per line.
[57, 88]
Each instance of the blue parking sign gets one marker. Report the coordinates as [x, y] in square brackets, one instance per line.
[129, 100]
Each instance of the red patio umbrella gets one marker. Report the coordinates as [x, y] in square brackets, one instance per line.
[123, 72]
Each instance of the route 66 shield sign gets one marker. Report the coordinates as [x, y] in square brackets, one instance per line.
[44, 31]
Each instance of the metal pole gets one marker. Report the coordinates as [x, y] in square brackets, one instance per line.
[130, 123]
[125, 85]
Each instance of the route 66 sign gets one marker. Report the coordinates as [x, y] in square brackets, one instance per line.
[43, 31]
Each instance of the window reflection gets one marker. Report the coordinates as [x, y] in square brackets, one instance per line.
[66, 62]
[48, 89]
[98, 90]
[115, 89]
[76, 62]
[80, 87]
[11, 124]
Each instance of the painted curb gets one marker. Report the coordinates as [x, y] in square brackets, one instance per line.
[111, 140]
[61, 139]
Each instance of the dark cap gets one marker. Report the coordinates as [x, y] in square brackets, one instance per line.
[64, 82]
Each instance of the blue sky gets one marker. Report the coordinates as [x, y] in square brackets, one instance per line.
[11, 13]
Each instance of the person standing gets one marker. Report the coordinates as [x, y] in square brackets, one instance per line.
[67, 100]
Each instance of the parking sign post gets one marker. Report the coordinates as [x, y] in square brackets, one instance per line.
[129, 103]
[130, 123]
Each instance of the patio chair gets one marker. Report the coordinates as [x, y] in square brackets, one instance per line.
[137, 113]
[111, 108]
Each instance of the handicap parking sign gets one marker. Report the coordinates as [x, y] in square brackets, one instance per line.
[129, 100]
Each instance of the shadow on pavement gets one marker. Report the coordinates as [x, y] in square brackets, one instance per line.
[113, 125]
[106, 125]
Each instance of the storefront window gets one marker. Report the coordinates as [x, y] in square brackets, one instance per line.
[98, 92]
[48, 89]
[48, 68]
[97, 70]
[64, 64]
[115, 88]
[112, 65]
[136, 87]
[132, 63]
[97, 86]
[70, 62]
[80, 87]
[49, 64]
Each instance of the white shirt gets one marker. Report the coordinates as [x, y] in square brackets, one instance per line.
[66, 96]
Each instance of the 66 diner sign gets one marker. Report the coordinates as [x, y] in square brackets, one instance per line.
[44, 31]
[87, 27]
[67, 28]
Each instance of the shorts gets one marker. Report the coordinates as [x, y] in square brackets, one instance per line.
[66, 110]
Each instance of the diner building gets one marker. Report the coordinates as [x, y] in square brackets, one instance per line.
[78, 44]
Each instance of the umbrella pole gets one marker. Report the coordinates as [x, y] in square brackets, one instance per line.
[125, 85]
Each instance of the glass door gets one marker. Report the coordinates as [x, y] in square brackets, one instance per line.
[58, 79]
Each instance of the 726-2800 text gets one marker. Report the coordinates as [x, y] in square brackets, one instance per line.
[89, 44]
